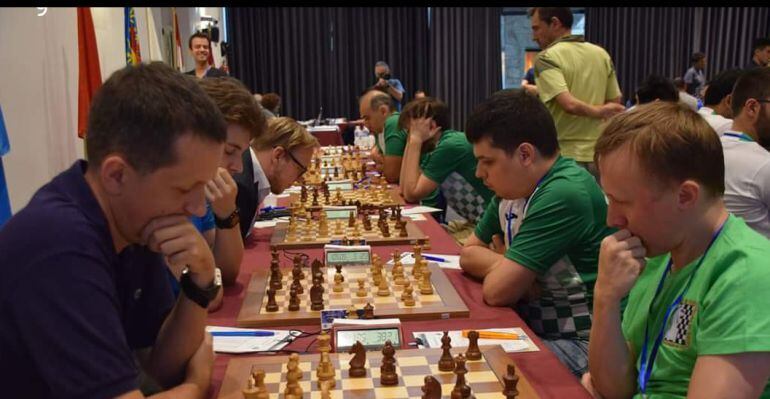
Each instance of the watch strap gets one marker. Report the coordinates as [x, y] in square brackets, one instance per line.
[196, 294]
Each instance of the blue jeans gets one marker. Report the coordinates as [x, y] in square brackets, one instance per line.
[573, 353]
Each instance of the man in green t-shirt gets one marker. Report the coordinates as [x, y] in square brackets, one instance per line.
[433, 152]
[376, 108]
[697, 321]
[576, 81]
[546, 224]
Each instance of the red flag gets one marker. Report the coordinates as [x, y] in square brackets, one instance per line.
[178, 60]
[90, 76]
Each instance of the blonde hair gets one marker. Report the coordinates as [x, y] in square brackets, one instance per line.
[671, 142]
[285, 132]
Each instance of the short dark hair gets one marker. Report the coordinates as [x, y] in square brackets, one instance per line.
[426, 107]
[657, 87]
[140, 112]
[695, 57]
[679, 83]
[753, 83]
[759, 44]
[198, 34]
[236, 103]
[511, 117]
[270, 101]
[720, 86]
[564, 14]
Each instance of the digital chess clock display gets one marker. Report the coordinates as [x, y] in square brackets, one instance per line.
[338, 213]
[372, 339]
[348, 257]
[341, 186]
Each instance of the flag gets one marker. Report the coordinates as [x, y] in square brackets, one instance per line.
[178, 61]
[152, 37]
[133, 56]
[89, 75]
[5, 146]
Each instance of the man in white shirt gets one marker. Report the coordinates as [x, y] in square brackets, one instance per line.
[716, 102]
[747, 163]
[684, 97]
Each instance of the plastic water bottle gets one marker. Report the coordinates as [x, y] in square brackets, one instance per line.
[357, 136]
[366, 139]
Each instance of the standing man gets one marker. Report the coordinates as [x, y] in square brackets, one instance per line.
[200, 48]
[388, 84]
[694, 78]
[274, 161]
[717, 101]
[760, 53]
[696, 322]
[576, 81]
[381, 119]
[87, 303]
[545, 224]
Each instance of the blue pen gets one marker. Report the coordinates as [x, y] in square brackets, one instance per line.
[433, 258]
[242, 333]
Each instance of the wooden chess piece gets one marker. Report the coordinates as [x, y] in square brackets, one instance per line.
[473, 352]
[431, 389]
[325, 389]
[297, 282]
[461, 389]
[510, 381]
[315, 196]
[250, 391]
[316, 294]
[357, 362]
[388, 375]
[368, 311]
[383, 289]
[293, 300]
[275, 279]
[426, 288]
[402, 229]
[351, 219]
[361, 289]
[271, 306]
[407, 296]
[325, 371]
[259, 382]
[446, 362]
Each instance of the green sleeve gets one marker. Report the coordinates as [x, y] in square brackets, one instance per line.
[445, 159]
[734, 316]
[489, 224]
[549, 78]
[395, 140]
[613, 89]
[557, 217]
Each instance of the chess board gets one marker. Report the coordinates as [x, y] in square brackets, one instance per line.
[312, 239]
[445, 302]
[369, 195]
[484, 376]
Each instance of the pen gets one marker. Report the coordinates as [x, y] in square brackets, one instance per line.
[493, 335]
[242, 333]
[433, 258]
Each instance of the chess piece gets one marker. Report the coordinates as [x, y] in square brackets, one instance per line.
[352, 312]
[275, 279]
[351, 219]
[271, 306]
[357, 362]
[293, 375]
[338, 279]
[461, 389]
[473, 352]
[510, 381]
[431, 389]
[402, 229]
[250, 392]
[316, 294]
[385, 229]
[315, 196]
[393, 215]
[383, 289]
[361, 289]
[388, 374]
[325, 371]
[368, 311]
[338, 228]
[446, 362]
[259, 383]
[426, 288]
[297, 283]
[326, 386]
[407, 296]
[293, 300]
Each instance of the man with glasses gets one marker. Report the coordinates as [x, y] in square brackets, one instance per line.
[277, 159]
[747, 163]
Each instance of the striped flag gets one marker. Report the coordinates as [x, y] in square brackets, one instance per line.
[5, 146]
[133, 55]
[89, 73]
[178, 61]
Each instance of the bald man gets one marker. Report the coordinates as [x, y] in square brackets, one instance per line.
[381, 118]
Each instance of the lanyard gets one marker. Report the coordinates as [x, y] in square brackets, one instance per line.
[739, 136]
[510, 215]
[645, 367]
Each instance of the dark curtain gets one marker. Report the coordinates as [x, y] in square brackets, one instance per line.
[643, 41]
[465, 65]
[727, 33]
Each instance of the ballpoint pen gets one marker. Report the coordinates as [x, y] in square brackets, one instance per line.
[242, 333]
[433, 258]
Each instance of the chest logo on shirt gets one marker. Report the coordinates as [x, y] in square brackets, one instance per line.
[678, 333]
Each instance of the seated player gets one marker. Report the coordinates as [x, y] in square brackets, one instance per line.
[747, 162]
[381, 118]
[696, 323]
[433, 152]
[717, 99]
[90, 291]
[546, 222]
[220, 226]
[274, 161]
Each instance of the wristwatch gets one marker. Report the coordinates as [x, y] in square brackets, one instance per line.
[228, 222]
[201, 296]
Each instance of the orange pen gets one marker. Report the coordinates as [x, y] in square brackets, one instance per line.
[493, 335]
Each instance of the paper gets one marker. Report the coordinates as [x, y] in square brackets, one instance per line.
[452, 261]
[251, 344]
[419, 209]
[432, 339]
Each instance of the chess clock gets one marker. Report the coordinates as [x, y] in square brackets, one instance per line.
[347, 254]
[342, 185]
[371, 333]
[339, 212]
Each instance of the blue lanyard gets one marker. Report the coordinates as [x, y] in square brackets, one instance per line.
[645, 367]
[739, 136]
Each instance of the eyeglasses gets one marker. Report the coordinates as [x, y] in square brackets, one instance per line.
[301, 166]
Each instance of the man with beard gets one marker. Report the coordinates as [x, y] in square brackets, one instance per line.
[747, 163]
[200, 48]
[696, 322]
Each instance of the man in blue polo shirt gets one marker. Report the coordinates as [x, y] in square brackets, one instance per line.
[84, 298]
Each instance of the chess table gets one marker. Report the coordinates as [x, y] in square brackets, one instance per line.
[307, 234]
[376, 196]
